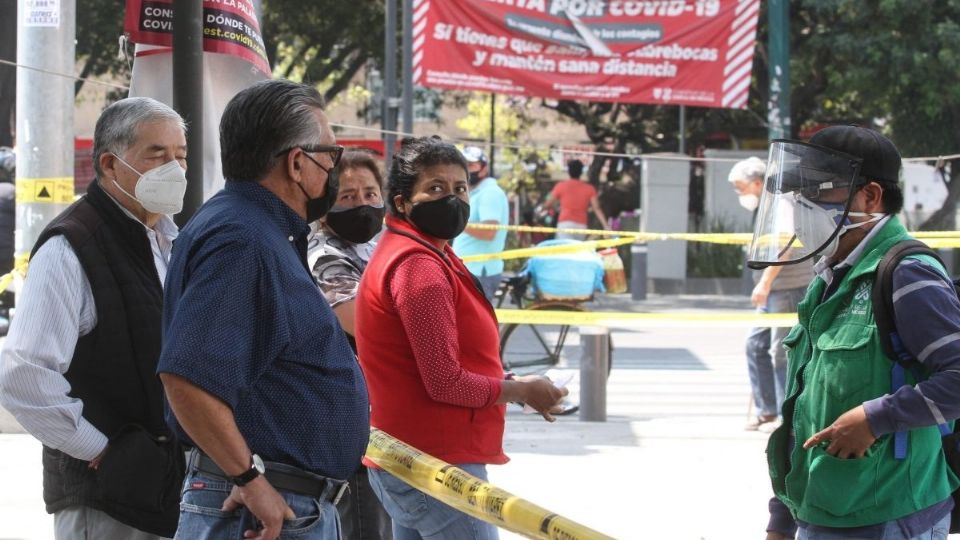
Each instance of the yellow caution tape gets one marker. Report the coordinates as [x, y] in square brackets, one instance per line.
[549, 250]
[646, 320]
[20, 264]
[717, 238]
[470, 494]
[54, 190]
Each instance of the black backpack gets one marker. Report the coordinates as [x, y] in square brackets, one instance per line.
[893, 348]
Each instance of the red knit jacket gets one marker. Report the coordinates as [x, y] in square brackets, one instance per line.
[399, 400]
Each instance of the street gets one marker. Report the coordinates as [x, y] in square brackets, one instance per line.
[672, 460]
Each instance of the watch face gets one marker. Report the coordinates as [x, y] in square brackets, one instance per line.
[258, 464]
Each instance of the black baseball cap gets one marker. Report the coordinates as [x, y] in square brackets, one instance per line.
[880, 158]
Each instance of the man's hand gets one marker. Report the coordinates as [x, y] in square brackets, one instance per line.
[265, 503]
[95, 462]
[850, 435]
[760, 293]
[772, 535]
[540, 393]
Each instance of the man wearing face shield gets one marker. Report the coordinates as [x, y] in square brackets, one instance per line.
[778, 289]
[258, 374]
[77, 368]
[857, 456]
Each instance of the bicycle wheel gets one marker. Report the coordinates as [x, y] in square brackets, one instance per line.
[535, 345]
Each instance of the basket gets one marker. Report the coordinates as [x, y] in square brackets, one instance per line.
[566, 276]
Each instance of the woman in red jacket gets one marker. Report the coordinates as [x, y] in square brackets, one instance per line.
[428, 342]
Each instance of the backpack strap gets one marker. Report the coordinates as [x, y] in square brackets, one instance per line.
[886, 327]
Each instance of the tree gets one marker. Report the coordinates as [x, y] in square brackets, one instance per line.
[324, 42]
[896, 61]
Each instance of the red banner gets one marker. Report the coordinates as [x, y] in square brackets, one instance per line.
[229, 27]
[690, 52]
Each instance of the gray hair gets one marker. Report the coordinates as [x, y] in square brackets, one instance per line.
[749, 169]
[263, 121]
[119, 124]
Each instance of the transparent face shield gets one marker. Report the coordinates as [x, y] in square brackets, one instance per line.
[800, 215]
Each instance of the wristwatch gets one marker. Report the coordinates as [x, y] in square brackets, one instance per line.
[255, 470]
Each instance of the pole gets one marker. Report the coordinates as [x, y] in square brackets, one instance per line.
[682, 133]
[408, 66]
[778, 42]
[594, 365]
[44, 175]
[493, 132]
[638, 271]
[188, 96]
[389, 118]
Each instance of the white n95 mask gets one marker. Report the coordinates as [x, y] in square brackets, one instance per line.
[159, 190]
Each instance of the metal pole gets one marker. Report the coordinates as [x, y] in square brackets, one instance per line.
[389, 121]
[493, 132]
[595, 343]
[638, 271]
[188, 95]
[408, 66]
[778, 43]
[45, 40]
[682, 134]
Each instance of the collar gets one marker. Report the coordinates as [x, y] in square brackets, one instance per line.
[398, 225]
[165, 225]
[825, 267]
[289, 222]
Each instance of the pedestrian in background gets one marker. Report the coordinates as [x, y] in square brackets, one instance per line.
[338, 251]
[429, 342]
[257, 371]
[575, 197]
[777, 289]
[78, 369]
[488, 205]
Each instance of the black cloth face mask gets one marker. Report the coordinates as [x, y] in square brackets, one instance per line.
[358, 224]
[443, 218]
[474, 178]
[318, 207]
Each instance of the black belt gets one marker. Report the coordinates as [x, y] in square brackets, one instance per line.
[300, 482]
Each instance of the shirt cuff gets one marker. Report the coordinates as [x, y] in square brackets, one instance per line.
[877, 417]
[496, 387]
[86, 444]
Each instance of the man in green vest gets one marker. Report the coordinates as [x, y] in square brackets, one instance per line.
[857, 456]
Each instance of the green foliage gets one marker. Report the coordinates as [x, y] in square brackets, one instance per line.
[710, 260]
[99, 27]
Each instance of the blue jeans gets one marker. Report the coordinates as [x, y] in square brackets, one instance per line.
[417, 515]
[766, 359]
[891, 531]
[201, 517]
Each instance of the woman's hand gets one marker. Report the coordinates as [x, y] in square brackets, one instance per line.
[540, 393]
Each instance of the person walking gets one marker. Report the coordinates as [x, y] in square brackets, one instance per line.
[575, 198]
[258, 374]
[77, 369]
[777, 289]
[859, 454]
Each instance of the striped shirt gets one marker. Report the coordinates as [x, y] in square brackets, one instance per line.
[56, 308]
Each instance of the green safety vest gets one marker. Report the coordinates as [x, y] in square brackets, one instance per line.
[835, 363]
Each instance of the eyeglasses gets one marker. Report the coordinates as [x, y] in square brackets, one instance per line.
[334, 151]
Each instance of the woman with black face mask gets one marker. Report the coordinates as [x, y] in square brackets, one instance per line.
[338, 250]
[428, 342]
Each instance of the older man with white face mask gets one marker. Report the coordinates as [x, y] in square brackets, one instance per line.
[777, 289]
[78, 366]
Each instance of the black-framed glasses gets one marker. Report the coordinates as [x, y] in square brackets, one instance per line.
[335, 151]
